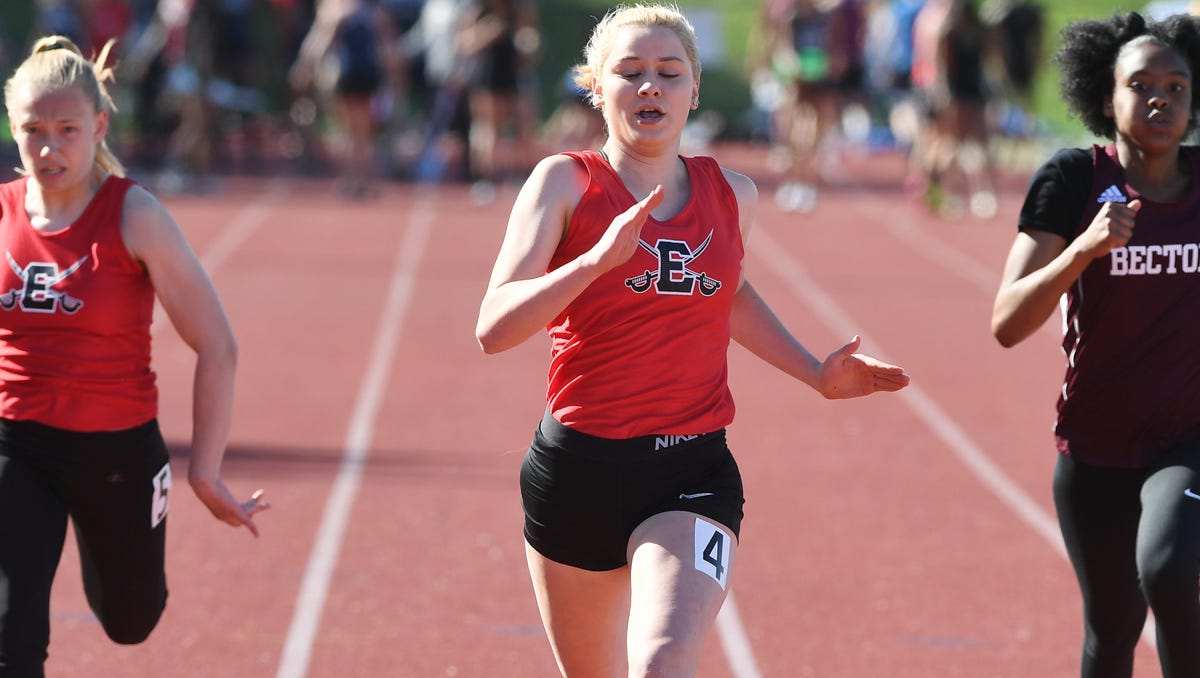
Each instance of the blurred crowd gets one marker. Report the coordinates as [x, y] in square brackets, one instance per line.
[431, 90]
[366, 90]
[950, 81]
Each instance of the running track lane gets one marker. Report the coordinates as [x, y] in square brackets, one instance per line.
[868, 548]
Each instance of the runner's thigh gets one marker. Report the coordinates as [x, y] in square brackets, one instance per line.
[118, 500]
[680, 564]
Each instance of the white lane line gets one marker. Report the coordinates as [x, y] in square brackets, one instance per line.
[928, 245]
[906, 229]
[310, 601]
[921, 241]
[927, 410]
[734, 641]
[237, 231]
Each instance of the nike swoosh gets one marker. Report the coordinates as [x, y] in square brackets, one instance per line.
[709, 494]
[1188, 493]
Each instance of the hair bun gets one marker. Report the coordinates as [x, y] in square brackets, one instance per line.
[53, 42]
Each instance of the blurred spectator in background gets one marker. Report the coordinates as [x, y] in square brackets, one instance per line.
[237, 103]
[107, 20]
[394, 107]
[1016, 27]
[952, 166]
[1016, 35]
[923, 179]
[962, 107]
[342, 57]
[575, 123]
[499, 39]
[172, 61]
[815, 48]
[888, 57]
[62, 17]
[439, 84]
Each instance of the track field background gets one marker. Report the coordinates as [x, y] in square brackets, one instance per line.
[903, 535]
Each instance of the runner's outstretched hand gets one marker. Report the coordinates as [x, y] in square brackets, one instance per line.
[846, 374]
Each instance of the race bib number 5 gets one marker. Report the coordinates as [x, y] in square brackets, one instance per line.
[158, 503]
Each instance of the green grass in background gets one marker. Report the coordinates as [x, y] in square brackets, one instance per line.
[566, 25]
[1048, 103]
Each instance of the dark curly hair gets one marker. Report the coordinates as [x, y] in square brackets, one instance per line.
[1088, 56]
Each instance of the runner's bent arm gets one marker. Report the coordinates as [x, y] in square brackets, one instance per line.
[844, 374]
[1041, 266]
[188, 297]
[522, 297]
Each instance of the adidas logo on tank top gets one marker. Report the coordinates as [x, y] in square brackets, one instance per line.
[1112, 194]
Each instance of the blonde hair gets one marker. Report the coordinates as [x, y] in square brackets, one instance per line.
[600, 43]
[56, 62]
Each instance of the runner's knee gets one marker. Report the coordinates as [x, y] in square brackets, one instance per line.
[126, 625]
[1169, 578]
[666, 659]
[23, 650]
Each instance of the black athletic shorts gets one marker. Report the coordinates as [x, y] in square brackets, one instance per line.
[583, 495]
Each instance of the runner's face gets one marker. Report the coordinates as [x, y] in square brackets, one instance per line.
[647, 87]
[1152, 96]
[56, 130]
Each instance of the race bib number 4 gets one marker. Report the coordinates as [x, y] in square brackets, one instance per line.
[712, 551]
[158, 503]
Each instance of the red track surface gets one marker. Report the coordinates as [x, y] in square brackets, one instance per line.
[869, 549]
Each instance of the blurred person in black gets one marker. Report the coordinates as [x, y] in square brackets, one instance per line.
[500, 41]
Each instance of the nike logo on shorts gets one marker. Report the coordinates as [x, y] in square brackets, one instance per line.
[709, 494]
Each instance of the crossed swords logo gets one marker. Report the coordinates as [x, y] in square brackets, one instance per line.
[38, 279]
[708, 286]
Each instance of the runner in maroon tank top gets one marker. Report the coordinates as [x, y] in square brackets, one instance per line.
[1112, 235]
[631, 259]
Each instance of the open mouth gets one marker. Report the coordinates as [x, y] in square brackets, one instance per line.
[650, 113]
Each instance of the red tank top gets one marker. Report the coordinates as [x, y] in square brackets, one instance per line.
[75, 312]
[643, 350]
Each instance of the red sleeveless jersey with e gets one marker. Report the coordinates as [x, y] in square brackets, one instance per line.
[75, 311]
[643, 350]
[1132, 340]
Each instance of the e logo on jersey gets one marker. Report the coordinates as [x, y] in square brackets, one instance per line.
[37, 294]
[674, 275]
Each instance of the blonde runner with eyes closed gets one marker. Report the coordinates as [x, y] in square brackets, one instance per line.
[631, 258]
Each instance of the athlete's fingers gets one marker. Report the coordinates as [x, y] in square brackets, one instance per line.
[846, 350]
[641, 210]
[1130, 220]
[255, 504]
[621, 239]
[890, 382]
[249, 523]
[653, 200]
[878, 366]
[243, 515]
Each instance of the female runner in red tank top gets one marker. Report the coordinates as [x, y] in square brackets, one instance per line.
[631, 258]
[85, 252]
[1111, 235]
